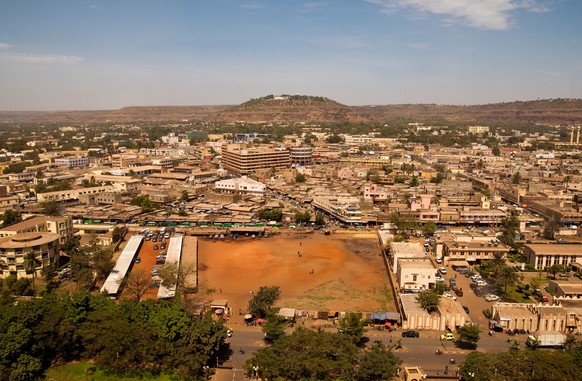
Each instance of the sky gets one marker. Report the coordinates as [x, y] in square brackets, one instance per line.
[108, 54]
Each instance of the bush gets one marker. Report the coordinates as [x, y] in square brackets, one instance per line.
[487, 313]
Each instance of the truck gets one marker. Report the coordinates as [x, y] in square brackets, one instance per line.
[546, 339]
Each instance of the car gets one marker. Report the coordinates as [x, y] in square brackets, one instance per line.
[442, 270]
[466, 309]
[491, 298]
[156, 247]
[544, 299]
[562, 240]
[439, 260]
[155, 239]
[450, 296]
[155, 285]
[475, 277]
[137, 260]
[481, 283]
[565, 275]
[447, 336]
[163, 252]
[459, 292]
[163, 245]
[410, 334]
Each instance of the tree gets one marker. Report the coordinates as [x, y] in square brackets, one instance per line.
[300, 178]
[51, 208]
[10, 217]
[507, 276]
[118, 233]
[144, 202]
[184, 195]
[261, 303]
[176, 274]
[274, 326]
[137, 284]
[550, 229]
[414, 182]
[509, 229]
[31, 262]
[319, 219]
[428, 300]
[302, 217]
[497, 263]
[429, 228]
[554, 269]
[469, 334]
[353, 325]
[495, 150]
[516, 179]
[379, 363]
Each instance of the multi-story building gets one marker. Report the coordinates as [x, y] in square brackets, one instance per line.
[478, 129]
[244, 160]
[15, 248]
[72, 194]
[73, 162]
[415, 274]
[472, 251]
[344, 208]
[242, 185]
[301, 155]
[62, 226]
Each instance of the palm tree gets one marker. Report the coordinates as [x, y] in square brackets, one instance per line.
[497, 263]
[507, 276]
[31, 262]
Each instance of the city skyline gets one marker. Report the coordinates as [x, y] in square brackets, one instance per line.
[107, 55]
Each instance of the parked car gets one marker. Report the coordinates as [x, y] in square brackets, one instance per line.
[481, 283]
[410, 334]
[439, 260]
[137, 260]
[442, 270]
[466, 309]
[459, 292]
[491, 298]
[156, 247]
[447, 336]
[450, 296]
[475, 277]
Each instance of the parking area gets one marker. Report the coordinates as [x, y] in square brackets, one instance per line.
[149, 258]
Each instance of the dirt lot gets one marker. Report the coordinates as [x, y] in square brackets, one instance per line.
[314, 272]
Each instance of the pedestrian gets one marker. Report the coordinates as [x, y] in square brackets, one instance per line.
[221, 290]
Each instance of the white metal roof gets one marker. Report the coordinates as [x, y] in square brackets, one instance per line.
[113, 281]
[174, 255]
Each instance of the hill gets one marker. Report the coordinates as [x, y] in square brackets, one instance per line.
[310, 109]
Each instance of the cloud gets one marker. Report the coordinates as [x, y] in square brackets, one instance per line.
[314, 5]
[38, 58]
[482, 14]
[4, 46]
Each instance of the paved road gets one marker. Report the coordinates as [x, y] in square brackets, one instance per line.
[415, 351]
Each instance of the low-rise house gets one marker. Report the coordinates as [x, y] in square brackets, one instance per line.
[545, 255]
[415, 275]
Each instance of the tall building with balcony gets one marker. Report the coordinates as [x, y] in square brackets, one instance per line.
[241, 159]
[14, 250]
[302, 155]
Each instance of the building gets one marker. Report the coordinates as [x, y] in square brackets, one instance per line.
[541, 255]
[73, 161]
[62, 226]
[302, 155]
[15, 248]
[244, 160]
[566, 288]
[241, 185]
[478, 129]
[405, 250]
[472, 251]
[415, 274]
[344, 208]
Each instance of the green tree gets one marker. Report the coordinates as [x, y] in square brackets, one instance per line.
[319, 219]
[50, 208]
[137, 283]
[264, 300]
[414, 182]
[551, 227]
[379, 363]
[428, 300]
[429, 228]
[496, 151]
[274, 326]
[507, 276]
[555, 269]
[497, 263]
[31, 263]
[184, 195]
[353, 325]
[302, 217]
[11, 217]
[118, 233]
[516, 179]
[300, 178]
[509, 229]
[469, 334]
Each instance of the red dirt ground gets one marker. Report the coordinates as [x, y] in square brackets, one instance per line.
[348, 272]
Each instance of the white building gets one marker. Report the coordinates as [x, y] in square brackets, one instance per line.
[73, 162]
[408, 250]
[414, 274]
[241, 185]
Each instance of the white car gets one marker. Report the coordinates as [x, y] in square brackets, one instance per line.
[476, 277]
[442, 270]
[491, 298]
[481, 283]
[450, 296]
[439, 260]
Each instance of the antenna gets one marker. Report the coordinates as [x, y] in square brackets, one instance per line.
[573, 76]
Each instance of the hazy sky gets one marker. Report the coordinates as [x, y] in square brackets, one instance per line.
[107, 54]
